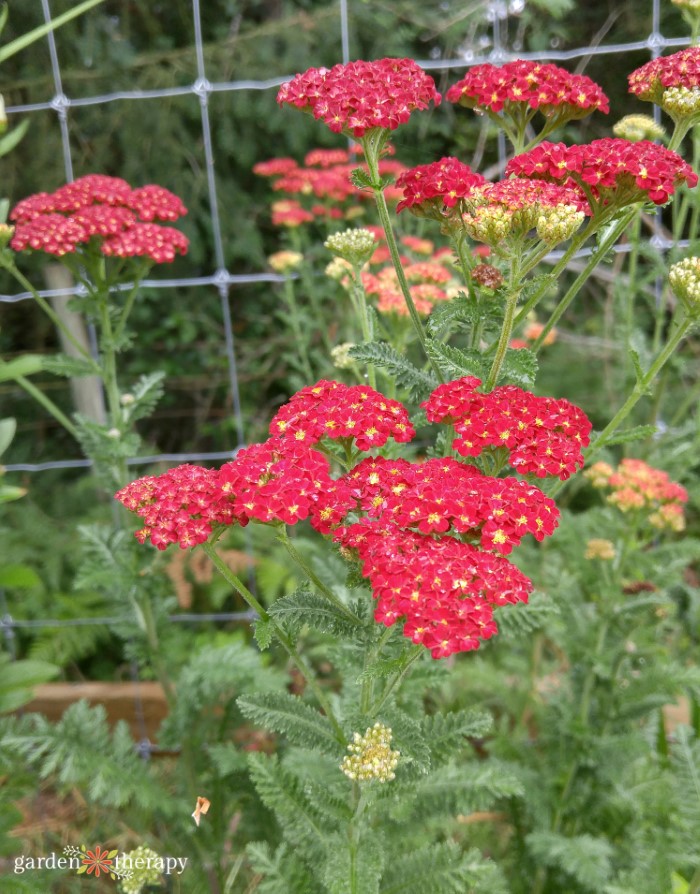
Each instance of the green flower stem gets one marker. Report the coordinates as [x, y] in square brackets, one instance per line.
[640, 388]
[311, 291]
[359, 300]
[299, 560]
[606, 244]
[361, 797]
[144, 611]
[367, 686]
[237, 584]
[396, 680]
[508, 322]
[302, 342]
[129, 303]
[9, 265]
[372, 149]
[47, 404]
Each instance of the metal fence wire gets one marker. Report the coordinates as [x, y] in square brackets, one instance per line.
[220, 277]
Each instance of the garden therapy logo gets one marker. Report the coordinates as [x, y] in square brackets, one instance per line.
[98, 861]
[133, 870]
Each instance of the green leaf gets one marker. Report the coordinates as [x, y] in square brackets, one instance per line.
[281, 712]
[263, 632]
[227, 758]
[585, 858]
[9, 492]
[519, 367]
[17, 679]
[454, 362]
[361, 180]
[446, 733]
[8, 427]
[37, 33]
[20, 577]
[638, 433]
[407, 376]
[639, 372]
[146, 393]
[522, 620]
[304, 607]
[283, 792]
[12, 138]
[354, 866]
[26, 365]
[70, 367]
[435, 869]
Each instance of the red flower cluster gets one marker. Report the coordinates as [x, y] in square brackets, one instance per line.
[431, 536]
[442, 495]
[612, 171]
[334, 410]
[543, 436]
[548, 88]
[361, 95]
[441, 184]
[445, 589]
[682, 69]
[280, 480]
[102, 208]
[180, 506]
[521, 193]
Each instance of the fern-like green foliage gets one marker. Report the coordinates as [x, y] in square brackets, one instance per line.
[353, 864]
[416, 382]
[519, 621]
[463, 312]
[306, 825]
[283, 872]
[446, 733]
[305, 608]
[145, 394]
[456, 362]
[441, 869]
[584, 858]
[519, 368]
[281, 712]
[80, 750]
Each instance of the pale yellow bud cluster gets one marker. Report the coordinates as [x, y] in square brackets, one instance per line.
[285, 261]
[558, 223]
[489, 223]
[338, 269]
[638, 127]
[598, 548]
[685, 282]
[340, 355]
[681, 102]
[354, 246]
[371, 758]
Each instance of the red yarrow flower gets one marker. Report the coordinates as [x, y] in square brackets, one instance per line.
[432, 188]
[104, 211]
[360, 96]
[542, 87]
[336, 411]
[542, 435]
[681, 69]
[612, 172]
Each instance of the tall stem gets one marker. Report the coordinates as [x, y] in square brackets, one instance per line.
[302, 342]
[308, 674]
[47, 404]
[514, 290]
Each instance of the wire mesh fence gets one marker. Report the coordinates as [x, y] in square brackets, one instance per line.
[223, 279]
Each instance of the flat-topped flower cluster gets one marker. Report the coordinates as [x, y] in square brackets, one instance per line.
[431, 536]
[103, 211]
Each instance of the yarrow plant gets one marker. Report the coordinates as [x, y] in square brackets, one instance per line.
[411, 505]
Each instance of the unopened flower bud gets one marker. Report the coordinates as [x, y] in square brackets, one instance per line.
[638, 127]
[127, 400]
[489, 223]
[142, 871]
[487, 275]
[114, 434]
[371, 757]
[604, 550]
[354, 246]
[338, 269]
[685, 282]
[285, 261]
[6, 233]
[681, 102]
[558, 223]
[341, 355]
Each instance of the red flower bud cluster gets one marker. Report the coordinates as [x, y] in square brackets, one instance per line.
[441, 184]
[548, 88]
[359, 96]
[521, 193]
[543, 436]
[681, 69]
[613, 171]
[102, 208]
[445, 589]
